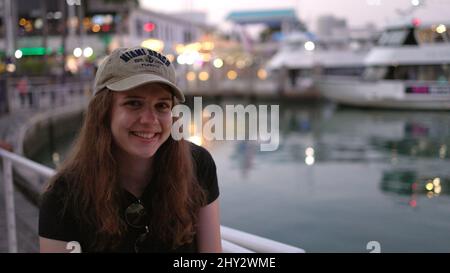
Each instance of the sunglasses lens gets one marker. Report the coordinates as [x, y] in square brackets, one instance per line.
[135, 215]
[140, 242]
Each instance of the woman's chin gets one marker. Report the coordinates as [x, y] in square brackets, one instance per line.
[146, 155]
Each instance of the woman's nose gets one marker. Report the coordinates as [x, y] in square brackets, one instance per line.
[148, 115]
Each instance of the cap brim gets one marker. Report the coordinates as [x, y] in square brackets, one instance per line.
[141, 79]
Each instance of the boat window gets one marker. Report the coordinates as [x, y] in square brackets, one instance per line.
[410, 38]
[393, 37]
[424, 36]
[343, 71]
[374, 73]
[440, 73]
[434, 34]
[293, 46]
[444, 76]
[305, 73]
[406, 73]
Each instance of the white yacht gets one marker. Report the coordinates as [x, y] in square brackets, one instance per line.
[303, 59]
[409, 68]
[293, 65]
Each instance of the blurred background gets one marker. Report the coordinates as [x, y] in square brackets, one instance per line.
[362, 86]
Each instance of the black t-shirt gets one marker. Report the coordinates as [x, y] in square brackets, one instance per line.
[54, 223]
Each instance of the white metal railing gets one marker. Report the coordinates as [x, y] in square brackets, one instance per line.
[233, 241]
[8, 159]
[255, 243]
[49, 95]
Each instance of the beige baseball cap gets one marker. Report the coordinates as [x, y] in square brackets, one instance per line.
[127, 68]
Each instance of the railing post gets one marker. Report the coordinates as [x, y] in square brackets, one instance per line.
[9, 202]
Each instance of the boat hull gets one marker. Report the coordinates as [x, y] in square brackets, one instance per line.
[386, 93]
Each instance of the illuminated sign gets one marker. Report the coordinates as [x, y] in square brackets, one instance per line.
[37, 51]
[149, 27]
[417, 90]
[428, 89]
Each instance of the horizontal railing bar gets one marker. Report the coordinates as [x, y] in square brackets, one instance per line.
[41, 169]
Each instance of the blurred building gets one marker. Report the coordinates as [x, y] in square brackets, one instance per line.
[199, 17]
[81, 32]
[172, 30]
[283, 20]
[329, 25]
[278, 23]
[334, 32]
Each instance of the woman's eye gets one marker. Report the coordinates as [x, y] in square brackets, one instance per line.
[163, 106]
[133, 103]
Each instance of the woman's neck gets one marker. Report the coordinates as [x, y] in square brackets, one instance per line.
[134, 173]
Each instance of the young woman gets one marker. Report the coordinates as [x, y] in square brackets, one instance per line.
[127, 185]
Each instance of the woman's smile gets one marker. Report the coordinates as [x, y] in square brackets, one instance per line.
[146, 136]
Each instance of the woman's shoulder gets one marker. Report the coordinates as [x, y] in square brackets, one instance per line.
[206, 171]
[201, 155]
[56, 220]
[57, 190]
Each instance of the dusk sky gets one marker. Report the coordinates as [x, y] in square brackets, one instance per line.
[357, 12]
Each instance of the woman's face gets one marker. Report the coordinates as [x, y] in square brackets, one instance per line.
[141, 119]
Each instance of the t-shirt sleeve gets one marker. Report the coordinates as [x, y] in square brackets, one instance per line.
[206, 172]
[55, 222]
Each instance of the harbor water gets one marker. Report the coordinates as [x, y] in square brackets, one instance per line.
[340, 178]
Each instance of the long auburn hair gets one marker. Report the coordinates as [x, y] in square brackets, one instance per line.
[93, 194]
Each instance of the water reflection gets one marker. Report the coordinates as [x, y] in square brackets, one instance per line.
[245, 152]
[413, 185]
[361, 135]
[409, 182]
[409, 147]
